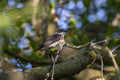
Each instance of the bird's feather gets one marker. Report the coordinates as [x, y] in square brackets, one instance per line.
[53, 38]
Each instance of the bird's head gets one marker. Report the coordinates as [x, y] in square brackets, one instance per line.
[61, 31]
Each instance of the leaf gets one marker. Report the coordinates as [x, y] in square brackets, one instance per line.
[52, 4]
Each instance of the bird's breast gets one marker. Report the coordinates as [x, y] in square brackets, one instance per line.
[54, 44]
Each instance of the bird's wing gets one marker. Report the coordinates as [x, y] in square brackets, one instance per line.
[53, 38]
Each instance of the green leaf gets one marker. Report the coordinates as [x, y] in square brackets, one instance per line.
[52, 5]
[72, 21]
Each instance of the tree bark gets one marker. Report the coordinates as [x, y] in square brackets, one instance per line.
[64, 69]
[67, 68]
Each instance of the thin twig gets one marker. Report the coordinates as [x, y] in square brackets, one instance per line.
[95, 43]
[76, 47]
[54, 60]
[114, 61]
[93, 60]
[107, 40]
[115, 48]
[51, 70]
[100, 56]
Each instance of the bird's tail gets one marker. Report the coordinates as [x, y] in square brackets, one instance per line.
[40, 48]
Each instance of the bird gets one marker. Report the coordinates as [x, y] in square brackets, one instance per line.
[53, 40]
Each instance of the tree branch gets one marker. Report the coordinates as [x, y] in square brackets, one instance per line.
[40, 62]
[64, 69]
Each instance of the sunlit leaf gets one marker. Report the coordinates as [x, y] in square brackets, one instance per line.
[72, 21]
[52, 4]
